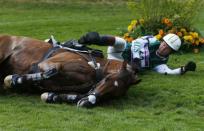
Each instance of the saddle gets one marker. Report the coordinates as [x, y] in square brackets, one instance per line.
[73, 44]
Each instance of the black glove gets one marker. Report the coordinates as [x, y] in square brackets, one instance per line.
[90, 38]
[190, 66]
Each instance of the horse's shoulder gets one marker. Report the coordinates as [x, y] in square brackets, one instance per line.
[12, 38]
[5, 36]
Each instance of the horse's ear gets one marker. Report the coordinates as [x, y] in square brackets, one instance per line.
[124, 65]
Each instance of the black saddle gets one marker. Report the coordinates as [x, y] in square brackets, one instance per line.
[73, 44]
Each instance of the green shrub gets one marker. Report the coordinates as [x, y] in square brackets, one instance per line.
[181, 12]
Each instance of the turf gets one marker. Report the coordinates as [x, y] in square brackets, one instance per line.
[159, 102]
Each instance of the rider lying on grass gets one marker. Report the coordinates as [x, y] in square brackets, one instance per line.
[143, 53]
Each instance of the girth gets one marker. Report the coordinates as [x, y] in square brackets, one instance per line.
[34, 68]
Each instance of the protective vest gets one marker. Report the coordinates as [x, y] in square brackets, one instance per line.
[144, 48]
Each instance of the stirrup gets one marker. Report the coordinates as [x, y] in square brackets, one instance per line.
[52, 41]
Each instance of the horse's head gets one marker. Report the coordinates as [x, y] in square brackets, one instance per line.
[117, 84]
[114, 84]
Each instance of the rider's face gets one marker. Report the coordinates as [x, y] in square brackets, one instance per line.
[164, 49]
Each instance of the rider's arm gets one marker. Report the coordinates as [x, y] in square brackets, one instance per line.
[164, 69]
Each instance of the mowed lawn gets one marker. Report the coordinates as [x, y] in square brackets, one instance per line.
[159, 102]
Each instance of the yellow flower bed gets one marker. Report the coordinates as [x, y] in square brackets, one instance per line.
[189, 38]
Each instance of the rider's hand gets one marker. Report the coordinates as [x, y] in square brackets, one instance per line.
[190, 66]
[90, 38]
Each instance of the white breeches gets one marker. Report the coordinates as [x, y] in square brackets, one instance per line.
[115, 51]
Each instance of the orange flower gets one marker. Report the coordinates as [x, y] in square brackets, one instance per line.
[169, 24]
[161, 32]
[166, 21]
[130, 39]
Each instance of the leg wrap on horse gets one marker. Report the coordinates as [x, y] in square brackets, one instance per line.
[83, 100]
[41, 75]
[50, 97]
[15, 80]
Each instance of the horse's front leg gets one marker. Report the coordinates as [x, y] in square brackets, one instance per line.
[105, 88]
[47, 70]
[54, 98]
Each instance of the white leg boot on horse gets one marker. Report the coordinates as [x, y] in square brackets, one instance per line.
[56, 98]
[48, 70]
[13, 81]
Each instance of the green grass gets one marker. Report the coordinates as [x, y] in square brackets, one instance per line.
[159, 102]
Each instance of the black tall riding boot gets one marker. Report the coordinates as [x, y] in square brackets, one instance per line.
[95, 38]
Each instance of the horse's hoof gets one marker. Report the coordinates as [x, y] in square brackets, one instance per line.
[87, 102]
[44, 96]
[8, 82]
[50, 97]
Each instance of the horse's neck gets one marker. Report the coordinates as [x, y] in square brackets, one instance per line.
[110, 66]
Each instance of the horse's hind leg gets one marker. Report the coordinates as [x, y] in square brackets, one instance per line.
[48, 70]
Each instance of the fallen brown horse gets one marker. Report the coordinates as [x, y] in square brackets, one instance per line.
[23, 66]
